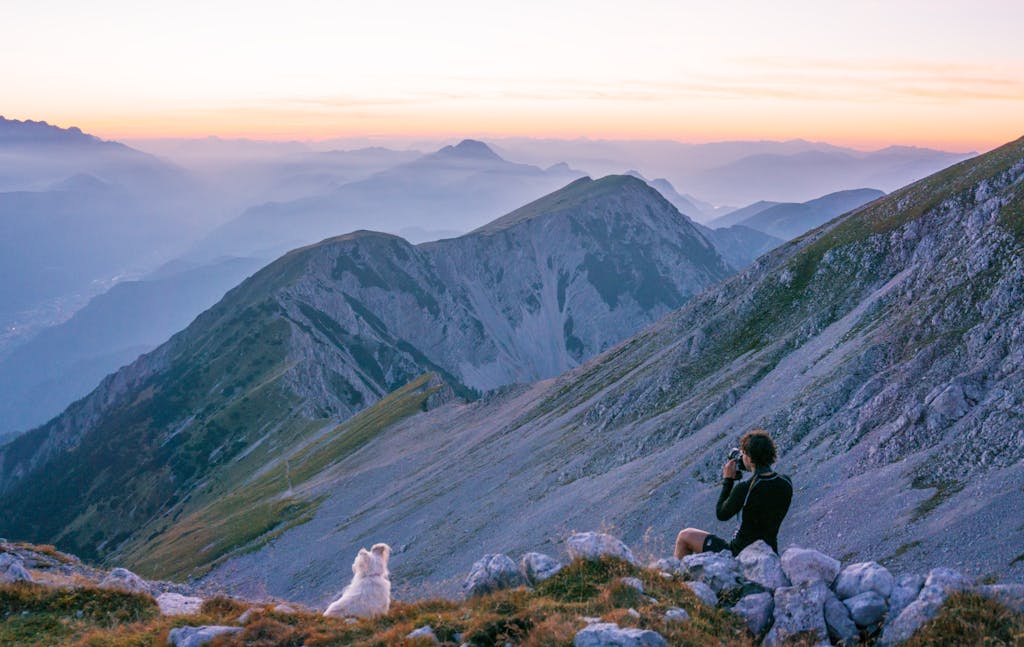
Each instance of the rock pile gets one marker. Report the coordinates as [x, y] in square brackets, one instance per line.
[802, 591]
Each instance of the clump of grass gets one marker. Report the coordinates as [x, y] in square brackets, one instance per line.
[970, 619]
[582, 580]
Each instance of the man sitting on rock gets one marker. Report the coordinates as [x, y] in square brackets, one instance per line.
[762, 500]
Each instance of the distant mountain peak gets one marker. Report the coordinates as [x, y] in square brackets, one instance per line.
[470, 149]
[15, 131]
[571, 196]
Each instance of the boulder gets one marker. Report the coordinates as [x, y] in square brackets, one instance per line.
[197, 636]
[866, 608]
[124, 580]
[1010, 595]
[607, 634]
[633, 582]
[703, 592]
[756, 610]
[595, 545]
[937, 587]
[669, 565]
[841, 628]
[863, 577]
[805, 566]
[492, 573]
[675, 614]
[720, 571]
[798, 609]
[904, 591]
[537, 567]
[426, 631]
[174, 604]
[12, 569]
[760, 564]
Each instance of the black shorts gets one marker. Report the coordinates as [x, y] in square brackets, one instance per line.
[714, 544]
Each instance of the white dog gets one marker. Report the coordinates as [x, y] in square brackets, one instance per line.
[369, 594]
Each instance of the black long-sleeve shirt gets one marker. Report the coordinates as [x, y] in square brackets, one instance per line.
[765, 508]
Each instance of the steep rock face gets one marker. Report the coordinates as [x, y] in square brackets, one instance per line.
[883, 352]
[328, 330]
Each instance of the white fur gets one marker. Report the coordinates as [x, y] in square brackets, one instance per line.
[369, 593]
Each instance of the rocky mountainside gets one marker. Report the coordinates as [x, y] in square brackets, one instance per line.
[164, 446]
[883, 352]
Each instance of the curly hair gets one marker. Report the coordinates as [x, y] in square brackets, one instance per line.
[759, 446]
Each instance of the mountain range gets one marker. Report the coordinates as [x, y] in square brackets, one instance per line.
[445, 193]
[789, 220]
[882, 350]
[328, 330]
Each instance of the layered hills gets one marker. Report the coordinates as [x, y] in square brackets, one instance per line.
[788, 220]
[326, 331]
[444, 193]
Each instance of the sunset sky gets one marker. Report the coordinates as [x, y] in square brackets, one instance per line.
[867, 73]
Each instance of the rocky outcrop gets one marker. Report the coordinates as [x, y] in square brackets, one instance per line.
[492, 573]
[537, 567]
[761, 565]
[124, 580]
[12, 569]
[595, 545]
[806, 566]
[606, 634]
[198, 636]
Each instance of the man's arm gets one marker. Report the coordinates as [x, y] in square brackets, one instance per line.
[730, 501]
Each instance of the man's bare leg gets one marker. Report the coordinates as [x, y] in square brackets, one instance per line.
[690, 541]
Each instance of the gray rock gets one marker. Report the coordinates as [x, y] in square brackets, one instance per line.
[675, 614]
[862, 577]
[841, 628]
[12, 569]
[806, 566]
[284, 608]
[669, 565]
[937, 587]
[760, 564]
[492, 573]
[426, 631]
[537, 567]
[866, 608]
[595, 545]
[720, 571]
[175, 604]
[633, 582]
[196, 636]
[607, 634]
[756, 610]
[904, 591]
[1011, 595]
[124, 580]
[798, 609]
[703, 592]
[246, 616]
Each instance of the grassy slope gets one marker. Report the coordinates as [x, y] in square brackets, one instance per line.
[549, 616]
[259, 497]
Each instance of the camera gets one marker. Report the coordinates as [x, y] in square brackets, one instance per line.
[736, 455]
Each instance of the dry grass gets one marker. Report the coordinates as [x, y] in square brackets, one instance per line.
[547, 617]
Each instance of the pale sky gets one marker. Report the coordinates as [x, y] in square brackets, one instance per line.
[866, 73]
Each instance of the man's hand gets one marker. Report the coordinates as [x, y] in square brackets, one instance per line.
[729, 470]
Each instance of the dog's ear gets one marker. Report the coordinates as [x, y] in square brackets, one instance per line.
[383, 550]
[362, 562]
